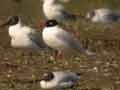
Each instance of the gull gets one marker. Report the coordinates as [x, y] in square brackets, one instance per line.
[55, 10]
[59, 79]
[103, 15]
[60, 40]
[22, 36]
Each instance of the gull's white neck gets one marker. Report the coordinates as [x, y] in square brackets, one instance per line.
[49, 84]
[49, 1]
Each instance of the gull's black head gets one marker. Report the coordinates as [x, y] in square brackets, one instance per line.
[92, 13]
[12, 20]
[48, 76]
[51, 23]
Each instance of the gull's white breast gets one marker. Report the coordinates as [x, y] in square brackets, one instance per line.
[20, 36]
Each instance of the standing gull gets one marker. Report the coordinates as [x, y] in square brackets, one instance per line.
[59, 39]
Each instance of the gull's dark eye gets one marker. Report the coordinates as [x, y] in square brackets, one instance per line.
[51, 23]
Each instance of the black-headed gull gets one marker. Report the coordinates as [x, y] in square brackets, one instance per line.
[103, 15]
[59, 39]
[22, 36]
[54, 10]
[59, 79]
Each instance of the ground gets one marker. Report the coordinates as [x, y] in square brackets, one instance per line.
[19, 68]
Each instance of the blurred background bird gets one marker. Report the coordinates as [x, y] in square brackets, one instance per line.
[53, 9]
[103, 15]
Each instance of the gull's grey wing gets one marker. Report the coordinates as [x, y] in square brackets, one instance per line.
[70, 76]
[36, 37]
[113, 16]
[68, 79]
[68, 39]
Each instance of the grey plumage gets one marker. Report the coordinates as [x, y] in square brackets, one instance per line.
[36, 37]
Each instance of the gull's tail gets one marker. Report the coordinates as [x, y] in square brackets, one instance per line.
[115, 15]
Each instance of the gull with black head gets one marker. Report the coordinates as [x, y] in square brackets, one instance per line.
[59, 79]
[23, 36]
[60, 40]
